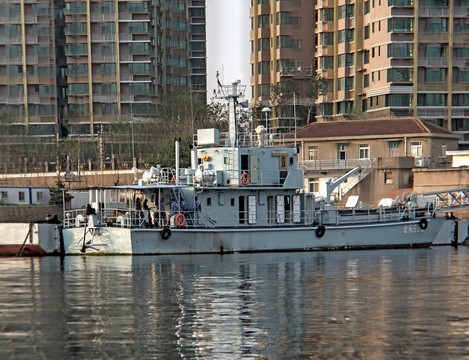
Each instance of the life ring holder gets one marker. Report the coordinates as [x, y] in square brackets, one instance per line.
[423, 224]
[180, 220]
[244, 178]
[320, 231]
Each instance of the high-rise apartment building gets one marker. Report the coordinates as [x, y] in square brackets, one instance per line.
[385, 58]
[28, 62]
[380, 58]
[95, 61]
[282, 43]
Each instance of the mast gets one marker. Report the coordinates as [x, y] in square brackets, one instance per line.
[232, 93]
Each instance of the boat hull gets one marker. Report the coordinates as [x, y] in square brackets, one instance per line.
[29, 239]
[115, 240]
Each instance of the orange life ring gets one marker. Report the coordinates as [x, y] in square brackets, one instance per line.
[173, 180]
[179, 217]
[244, 178]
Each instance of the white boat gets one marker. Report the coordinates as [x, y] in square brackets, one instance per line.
[250, 191]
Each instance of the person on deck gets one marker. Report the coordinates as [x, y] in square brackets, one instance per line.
[146, 212]
[138, 210]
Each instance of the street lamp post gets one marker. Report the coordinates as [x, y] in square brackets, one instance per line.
[266, 110]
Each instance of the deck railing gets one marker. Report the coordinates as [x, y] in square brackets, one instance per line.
[130, 218]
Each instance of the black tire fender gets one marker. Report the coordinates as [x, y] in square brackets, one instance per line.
[423, 224]
[320, 231]
[166, 233]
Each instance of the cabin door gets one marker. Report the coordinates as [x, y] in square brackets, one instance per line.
[255, 169]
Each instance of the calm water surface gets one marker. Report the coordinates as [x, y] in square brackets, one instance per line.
[405, 304]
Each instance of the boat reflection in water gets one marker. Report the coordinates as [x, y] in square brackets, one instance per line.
[368, 304]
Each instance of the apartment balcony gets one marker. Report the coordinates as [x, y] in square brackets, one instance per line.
[105, 98]
[433, 62]
[433, 37]
[431, 11]
[11, 100]
[101, 17]
[460, 87]
[441, 112]
[461, 62]
[103, 37]
[103, 58]
[10, 40]
[11, 60]
[461, 11]
[422, 86]
[463, 112]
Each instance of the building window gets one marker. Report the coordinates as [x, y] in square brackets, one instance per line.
[288, 42]
[366, 80]
[345, 83]
[394, 149]
[286, 18]
[313, 185]
[436, 24]
[416, 149]
[364, 151]
[21, 196]
[400, 50]
[346, 35]
[344, 107]
[326, 62]
[39, 196]
[325, 109]
[345, 60]
[463, 76]
[263, 67]
[366, 33]
[4, 196]
[326, 38]
[326, 14]
[431, 99]
[313, 152]
[398, 100]
[366, 7]
[400, 24]
[388, 177]
[399, 75]
[444, 149]
[263, 21]
[263, 44]
[366, 57]
[434, 50]
[435, 75]
[346, 11]
[342, 151]
[460, 99]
